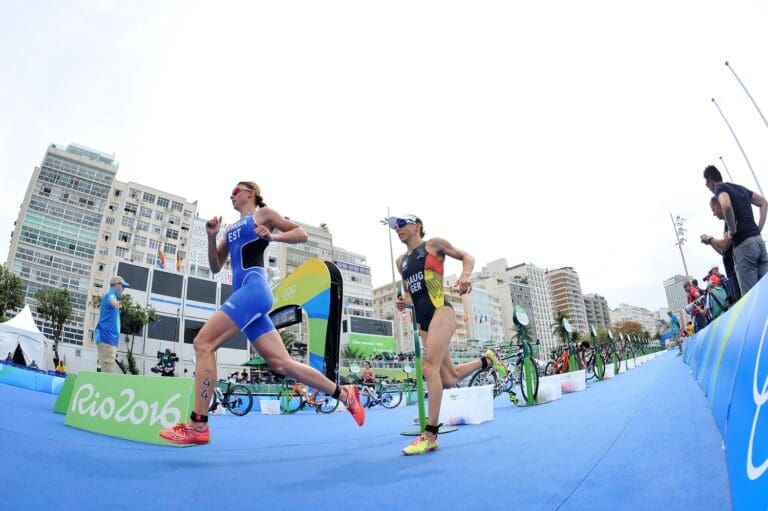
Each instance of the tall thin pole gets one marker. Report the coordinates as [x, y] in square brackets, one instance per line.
[391, 253]
[398, 319]
[726, 169]
[740, 148]
[680, 242]
[748, 94]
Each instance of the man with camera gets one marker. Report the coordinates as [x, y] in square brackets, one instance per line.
[166, 363]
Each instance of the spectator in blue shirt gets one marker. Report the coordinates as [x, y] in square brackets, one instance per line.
[107, 333]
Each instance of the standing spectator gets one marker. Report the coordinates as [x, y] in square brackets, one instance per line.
[749, 254]
[723, 247]
[107, 333]
[694, 293]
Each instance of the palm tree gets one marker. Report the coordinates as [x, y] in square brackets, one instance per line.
[558, 330]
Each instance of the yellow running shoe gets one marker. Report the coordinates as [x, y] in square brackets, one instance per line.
[421, 446]
[493, 355]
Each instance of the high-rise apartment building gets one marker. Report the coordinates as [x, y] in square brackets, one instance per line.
[676, 297]
[598, 313]
[483, 317]
[144, 226]
[541, 311]
[55, 239]
[567, 297]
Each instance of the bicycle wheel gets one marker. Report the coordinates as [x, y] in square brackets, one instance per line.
[590, 369]
[214, 402]
[324, 403]
[534, 379]
[240, 400]
[485, 377]
[599, 364]
[366, 398]
[290, 402]
[549, 369]
[391, 395]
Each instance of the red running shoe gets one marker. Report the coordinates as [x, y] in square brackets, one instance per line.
[185, 434]
[354, 405]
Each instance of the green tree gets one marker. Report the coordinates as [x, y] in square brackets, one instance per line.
[133, 318]
[11, 291]
[353, 353]
[558, 330]
[628, 328]
[288, 338]
[55, 307]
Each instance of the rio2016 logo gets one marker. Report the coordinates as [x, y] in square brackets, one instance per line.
[760, 397]
[288, 292]
[88, 402]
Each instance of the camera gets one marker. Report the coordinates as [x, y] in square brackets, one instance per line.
[166, 363]
[168, 354]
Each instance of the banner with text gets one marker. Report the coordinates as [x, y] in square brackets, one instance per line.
[127, 406]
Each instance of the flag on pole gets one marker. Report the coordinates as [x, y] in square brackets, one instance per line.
[178, 263]
[160, 259]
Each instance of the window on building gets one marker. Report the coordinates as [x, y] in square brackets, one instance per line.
[146, 212]
[162, 202]
[159, 215]
[165, 328]
[125, 237]
[165, 283]
[177, 206]
[130, 208]
[149, 197]
[172, 234]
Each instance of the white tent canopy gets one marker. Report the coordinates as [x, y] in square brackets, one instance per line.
[22, 331]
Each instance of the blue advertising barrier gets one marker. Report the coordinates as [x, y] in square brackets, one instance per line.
[729, 359]
[747, 434]
[719, 388]
[689, 346]
[702, 338]
[714, 339]
[30, 379]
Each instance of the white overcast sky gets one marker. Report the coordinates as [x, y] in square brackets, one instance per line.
[557, 133]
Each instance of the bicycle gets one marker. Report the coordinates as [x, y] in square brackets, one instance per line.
[236, 398]
[294, 397]
[561, 364]
[388, 396]
[515, 376]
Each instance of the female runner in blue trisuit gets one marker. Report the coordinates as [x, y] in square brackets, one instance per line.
[247, 310]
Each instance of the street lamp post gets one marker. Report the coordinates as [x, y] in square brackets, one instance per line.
[740, 148]
[748, 94]
[398, 320]
[677, 224]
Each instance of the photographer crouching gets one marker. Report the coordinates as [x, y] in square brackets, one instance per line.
[166, 363]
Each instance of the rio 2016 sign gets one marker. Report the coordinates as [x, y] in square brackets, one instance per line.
[130, 407]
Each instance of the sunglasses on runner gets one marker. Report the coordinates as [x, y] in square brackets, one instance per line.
[239, 189]
[398, 222]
